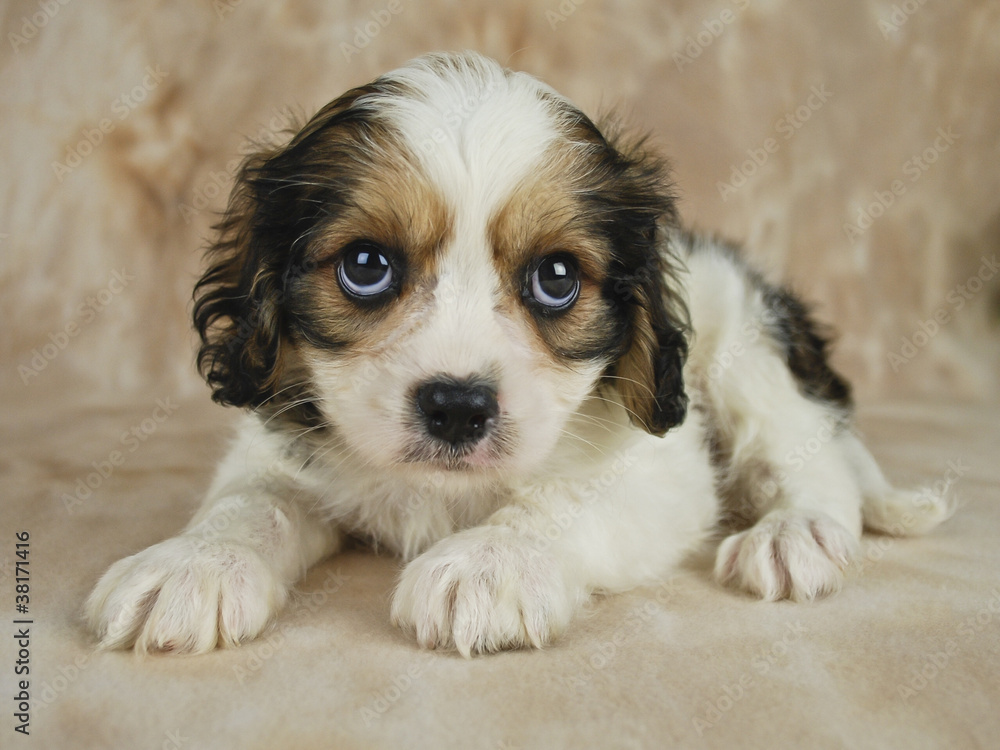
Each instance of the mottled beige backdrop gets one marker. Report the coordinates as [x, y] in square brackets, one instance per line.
[853, 146]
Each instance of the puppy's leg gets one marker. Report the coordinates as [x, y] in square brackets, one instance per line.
[807, 533]
[485, 589]
[221, 580]
[518, 579]
[802, 485]
[809, 479]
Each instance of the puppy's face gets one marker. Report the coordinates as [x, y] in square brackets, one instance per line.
[439, 268]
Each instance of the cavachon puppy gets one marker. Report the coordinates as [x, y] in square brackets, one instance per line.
[467, 328]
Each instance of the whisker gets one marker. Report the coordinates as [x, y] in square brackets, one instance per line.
[570, 434]
[291, 405]
[619, 404]
[636, 382]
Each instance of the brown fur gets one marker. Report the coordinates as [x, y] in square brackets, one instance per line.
[272, 285]
[544, 216]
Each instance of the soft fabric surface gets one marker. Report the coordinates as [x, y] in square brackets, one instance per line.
[683, 664]
[96, 270]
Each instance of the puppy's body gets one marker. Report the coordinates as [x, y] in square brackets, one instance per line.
[469, 331]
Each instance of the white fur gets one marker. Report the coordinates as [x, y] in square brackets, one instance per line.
[502, 556]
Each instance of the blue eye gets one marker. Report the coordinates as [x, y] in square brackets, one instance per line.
[364, 271]
[556, 281]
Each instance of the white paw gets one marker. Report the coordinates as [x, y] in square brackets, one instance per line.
[482, 590]
[184, 596]
[787, 554]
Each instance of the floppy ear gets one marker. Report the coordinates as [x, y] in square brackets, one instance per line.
[644, 287]
[281, 194]
[237, 309]
[649, 374]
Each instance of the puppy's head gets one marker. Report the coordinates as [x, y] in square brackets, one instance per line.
[440, 267]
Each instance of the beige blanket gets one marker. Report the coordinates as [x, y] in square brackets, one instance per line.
[855, 148]
[907, 655]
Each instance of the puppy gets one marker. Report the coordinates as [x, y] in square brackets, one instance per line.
[467, 328]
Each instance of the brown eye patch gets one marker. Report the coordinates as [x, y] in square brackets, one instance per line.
[391, 215]
[544, 217]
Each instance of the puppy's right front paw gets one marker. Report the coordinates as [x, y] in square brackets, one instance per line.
[185, 596]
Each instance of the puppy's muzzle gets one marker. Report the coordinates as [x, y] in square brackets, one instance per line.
[459, 413]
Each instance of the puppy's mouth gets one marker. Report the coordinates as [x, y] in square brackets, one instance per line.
[489, 453]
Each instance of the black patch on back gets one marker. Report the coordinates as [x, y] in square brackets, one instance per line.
[789, 321]
[806, 346]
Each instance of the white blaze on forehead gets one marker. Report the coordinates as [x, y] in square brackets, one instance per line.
[476, 129]
[476, 132]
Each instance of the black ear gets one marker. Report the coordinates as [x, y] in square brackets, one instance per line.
[237, 309]
[649, 374]
[281, 195]
[644, 286]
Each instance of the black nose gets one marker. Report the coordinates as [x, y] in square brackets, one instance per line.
[457, 412]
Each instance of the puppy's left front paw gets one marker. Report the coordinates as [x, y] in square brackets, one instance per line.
[482, 590]
[790, 554]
